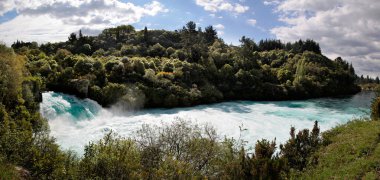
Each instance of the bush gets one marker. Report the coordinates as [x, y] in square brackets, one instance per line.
[111, 158]
[84, 66]
[375, 106]
[112, 92]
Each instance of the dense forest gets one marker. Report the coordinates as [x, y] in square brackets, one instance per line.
[158, 68]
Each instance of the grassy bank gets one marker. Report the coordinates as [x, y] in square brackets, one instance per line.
[369, 86]
[353, 152]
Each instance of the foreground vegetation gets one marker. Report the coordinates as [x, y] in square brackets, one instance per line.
[192, 75]
[353, 152]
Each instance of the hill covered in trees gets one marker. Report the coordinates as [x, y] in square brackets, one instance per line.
[158, 68]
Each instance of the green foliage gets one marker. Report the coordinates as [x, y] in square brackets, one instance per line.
[11, 75]
[157, 50]
[84, 66]
[138, 66]
[23, 132]
[8, 172]
[111, 158]
[113, 92]
[375, 106]
[297, 150]
[62, 54]
[179, 150]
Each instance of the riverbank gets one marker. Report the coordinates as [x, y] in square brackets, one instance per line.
[369, 87]
[352, 152]
[291, 95]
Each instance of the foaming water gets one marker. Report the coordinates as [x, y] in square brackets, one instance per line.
[75, 122]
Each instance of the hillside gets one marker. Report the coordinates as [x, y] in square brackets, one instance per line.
[353, 152]
[190, 66]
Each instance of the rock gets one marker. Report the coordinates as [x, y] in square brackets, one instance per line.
[23, 173]
[80, 86]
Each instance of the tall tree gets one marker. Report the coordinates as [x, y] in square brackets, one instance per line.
[210, 35]
[146, 35]
[72, 38]
[191, 27]
[80, 34]
[248, 46]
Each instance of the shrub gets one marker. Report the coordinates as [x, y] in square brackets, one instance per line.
[111, 158]
[375, 108]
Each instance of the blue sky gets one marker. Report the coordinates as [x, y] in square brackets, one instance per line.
[235, 25]
[346, 28]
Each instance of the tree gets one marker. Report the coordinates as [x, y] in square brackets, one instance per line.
[191, 27]
[11, 75]
[85, 49]
[377, 80]
[170, 51]
[265, 165]
[111, 157]
[112, 93]
[138, 66]
[210, 35]
[311, 45]
[84, 66]
[146, 35]
[156, 50]
[73, 38]
[61, 54]
[299, 148]
[247, 47]
[80, 35]
[375, 106]
[268, 45]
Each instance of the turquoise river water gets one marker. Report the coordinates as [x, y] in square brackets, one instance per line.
[75, 122]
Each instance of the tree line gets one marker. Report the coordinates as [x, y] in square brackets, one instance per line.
[367, 80]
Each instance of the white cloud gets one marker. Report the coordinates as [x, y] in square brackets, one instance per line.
[219, 26]
[252, 22]
[240, 8]
[70, 15]
[346, 28]
[222, 5]
[5, 6]
[42, 28]
[271, 2]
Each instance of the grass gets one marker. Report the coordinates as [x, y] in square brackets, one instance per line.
[369, 86]
[8, 172]
[353, 152]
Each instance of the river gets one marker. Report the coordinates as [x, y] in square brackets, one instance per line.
[75, 122]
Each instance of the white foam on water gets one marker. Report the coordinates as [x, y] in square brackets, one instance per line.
[74, 122]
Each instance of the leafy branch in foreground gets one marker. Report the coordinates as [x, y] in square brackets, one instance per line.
[186, 150]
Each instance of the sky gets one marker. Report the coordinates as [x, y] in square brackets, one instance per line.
[346, 28]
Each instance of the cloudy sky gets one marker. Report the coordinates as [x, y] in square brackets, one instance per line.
[346, 28]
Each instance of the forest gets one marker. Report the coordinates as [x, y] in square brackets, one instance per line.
[157, 68]
[186, 67]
